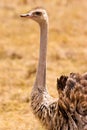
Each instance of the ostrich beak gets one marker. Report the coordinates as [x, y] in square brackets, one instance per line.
[26, 15]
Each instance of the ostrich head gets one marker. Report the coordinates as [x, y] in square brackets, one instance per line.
[38, 14]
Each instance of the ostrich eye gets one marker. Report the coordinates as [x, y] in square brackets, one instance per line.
[38, 13]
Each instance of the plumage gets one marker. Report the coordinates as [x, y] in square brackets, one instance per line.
[69, 111]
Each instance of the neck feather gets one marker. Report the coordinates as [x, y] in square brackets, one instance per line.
[40, 81]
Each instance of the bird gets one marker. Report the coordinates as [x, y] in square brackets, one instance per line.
[69, 110]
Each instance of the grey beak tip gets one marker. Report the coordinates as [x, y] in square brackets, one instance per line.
[20, 15]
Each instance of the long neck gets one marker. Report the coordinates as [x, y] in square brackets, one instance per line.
[41, 71]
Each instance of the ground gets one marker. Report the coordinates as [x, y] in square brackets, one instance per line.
[19, 47]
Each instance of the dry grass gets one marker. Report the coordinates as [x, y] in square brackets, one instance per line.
[19, 43]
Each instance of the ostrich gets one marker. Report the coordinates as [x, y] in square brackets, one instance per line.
[69, 110]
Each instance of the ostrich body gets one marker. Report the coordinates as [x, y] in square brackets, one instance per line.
[69, 111]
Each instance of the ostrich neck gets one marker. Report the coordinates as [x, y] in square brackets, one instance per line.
[40, 81]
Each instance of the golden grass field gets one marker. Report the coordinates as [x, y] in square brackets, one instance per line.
[19, 46]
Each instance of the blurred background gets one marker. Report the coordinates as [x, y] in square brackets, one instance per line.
[19, 47]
